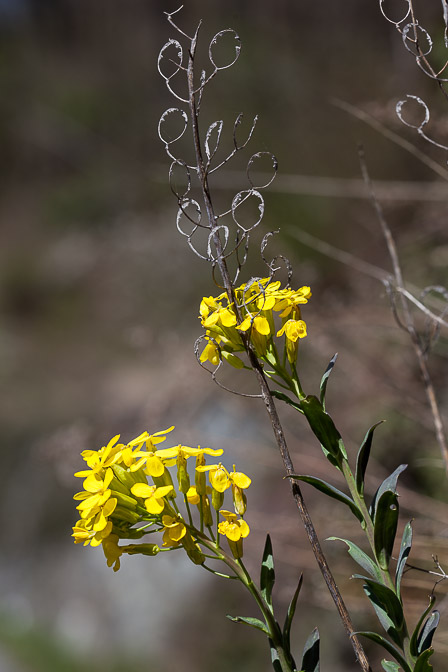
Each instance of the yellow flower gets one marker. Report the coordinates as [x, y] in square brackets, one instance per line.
[221, 479]
[210, 353]
[293, 329]
[233, 528]
[86, 536]
[112, 551]
[152, 495]
[174, 530]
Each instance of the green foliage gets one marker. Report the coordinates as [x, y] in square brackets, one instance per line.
[310, 657]
[360, 557]
[331, 491]
[363, 458]
[267, 575]
[385, 527]
[405, 549]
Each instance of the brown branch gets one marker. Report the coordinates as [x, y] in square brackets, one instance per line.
[409, 323]
[265, 392]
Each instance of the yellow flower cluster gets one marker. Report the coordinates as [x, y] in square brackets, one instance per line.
[118, 501]
[257, 302]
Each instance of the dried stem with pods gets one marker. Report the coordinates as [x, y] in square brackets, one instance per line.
[129, 491]
[203, 169]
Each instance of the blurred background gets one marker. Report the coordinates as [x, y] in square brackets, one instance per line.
[99, 300]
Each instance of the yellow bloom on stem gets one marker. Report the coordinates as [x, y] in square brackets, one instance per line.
[96, 492]
[153, 496]
[174, 530]
[293, 330]
[86, 536]
[210, 353]
[221, 479]
[112, 551]
[98, 460]
[235, 530]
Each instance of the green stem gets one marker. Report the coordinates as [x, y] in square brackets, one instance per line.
[369, 530]
[243, 575]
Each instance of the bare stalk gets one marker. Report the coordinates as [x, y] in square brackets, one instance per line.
[409, 323]
[265, 392]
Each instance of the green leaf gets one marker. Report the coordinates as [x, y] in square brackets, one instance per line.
[389, 483]
[253, 622]
[413, 646]
[390, 648]
[290, 615]
[360, 557]
[390, 666]
[387, 606]
[363, 458]
[284, 397]
[325, 377]
[405, 549]
[311, 654]
[331, 491]
[323, 427]
[424, 639]
[422, 664]
[385, 527]
[267, 576]
[275, 660]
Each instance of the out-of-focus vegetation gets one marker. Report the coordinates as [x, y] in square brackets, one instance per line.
[99, 299]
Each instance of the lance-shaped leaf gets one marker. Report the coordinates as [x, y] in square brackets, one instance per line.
[413, 644]
[331, 491]
[389, 483]
[387, 607]
[253, 622]
[311, 653]
[390, 648]
[275, 660]
[290, 615]
[267, 575]
[323, 427]
[363, 458]
[423, 664]
[284, 397]
[405, 549]
[390, 666]
[325, 377]
[424, 639]
[385, 527]
[361, 558]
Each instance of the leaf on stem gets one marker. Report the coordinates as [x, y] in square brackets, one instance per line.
[389, 483]
[363, 458]
[360, 557]
[311, 653]
[385, 527]
[413, 645]
[289, 616]
[267, 575]
[424, 639]
[422, 664]
[275, 660]
[284, 397]
[405, 549]
[378, 639]
[387, 607]
[324, 428]
[390, 666]
[325, 377]
[331, 491]
[253, 622]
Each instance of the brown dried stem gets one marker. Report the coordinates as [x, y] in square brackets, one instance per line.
[409, 322]
[265, 392]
